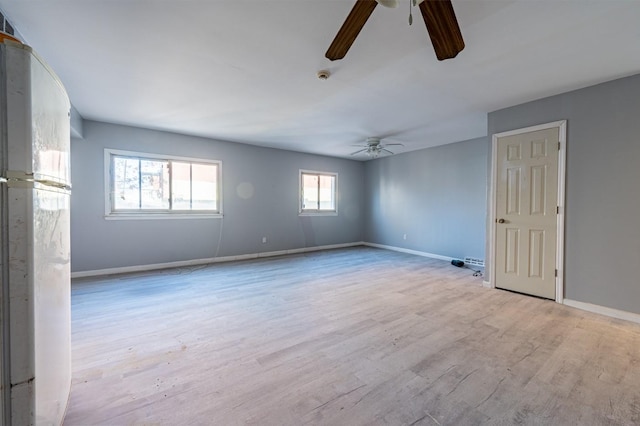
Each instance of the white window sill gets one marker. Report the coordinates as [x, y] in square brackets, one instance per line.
[318, 214]
[146, 216]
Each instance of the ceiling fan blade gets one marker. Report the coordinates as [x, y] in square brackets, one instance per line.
[443, 28]
[359, 151]
[350, 29]
[393, 144]
[387, 151]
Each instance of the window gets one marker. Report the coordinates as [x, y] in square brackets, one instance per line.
[318, 192]
[149, 185]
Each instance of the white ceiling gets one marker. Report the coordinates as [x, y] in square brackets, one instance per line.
[245, 70]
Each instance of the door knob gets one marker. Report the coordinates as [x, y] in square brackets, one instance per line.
[501, 220]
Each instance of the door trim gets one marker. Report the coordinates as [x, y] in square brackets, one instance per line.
[560, 218]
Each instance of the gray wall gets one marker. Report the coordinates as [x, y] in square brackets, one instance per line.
[436, 196]
[272, 211]
[602, 235]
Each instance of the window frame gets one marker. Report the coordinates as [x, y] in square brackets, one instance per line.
[111, 214]
[317, 212]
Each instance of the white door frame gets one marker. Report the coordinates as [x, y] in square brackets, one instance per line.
[562, 136]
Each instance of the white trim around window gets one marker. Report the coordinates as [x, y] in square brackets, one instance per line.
[172, 187]
[322, 198]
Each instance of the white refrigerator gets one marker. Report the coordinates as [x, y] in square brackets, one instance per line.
[35, 308]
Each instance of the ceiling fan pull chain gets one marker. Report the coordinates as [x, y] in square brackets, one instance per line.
[410, 15]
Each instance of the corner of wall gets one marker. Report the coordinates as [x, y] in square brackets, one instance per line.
[77, 124]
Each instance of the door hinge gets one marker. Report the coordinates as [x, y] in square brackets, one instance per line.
[558, 146]
[556, 273]
[557, 209]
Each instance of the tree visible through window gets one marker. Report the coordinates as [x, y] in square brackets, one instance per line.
[140, 184]
[318, 192]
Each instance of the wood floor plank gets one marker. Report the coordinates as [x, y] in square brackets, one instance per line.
[356, 336]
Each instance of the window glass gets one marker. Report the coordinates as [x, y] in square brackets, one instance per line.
[152, 185]
[318, 192]
[204, 182]
[327, 199]
[181, 185]
[141, 184]
[126, 183]
[310, 191]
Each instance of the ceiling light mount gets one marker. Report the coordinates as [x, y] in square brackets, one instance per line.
[323, 74]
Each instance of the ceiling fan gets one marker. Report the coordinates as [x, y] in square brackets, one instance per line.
[373, 148]
[438, 15]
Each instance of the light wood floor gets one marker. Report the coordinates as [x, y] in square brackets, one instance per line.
[348, 337]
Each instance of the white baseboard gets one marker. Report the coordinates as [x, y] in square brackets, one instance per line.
[603, 310]
[195, 262]
[487, 284]
[409, 251]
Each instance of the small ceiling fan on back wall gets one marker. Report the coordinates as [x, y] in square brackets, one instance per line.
[373, 148]
[438, 16]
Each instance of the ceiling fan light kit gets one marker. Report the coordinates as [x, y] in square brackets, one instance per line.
[438, 15]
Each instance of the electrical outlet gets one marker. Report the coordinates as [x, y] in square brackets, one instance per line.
[264, 240]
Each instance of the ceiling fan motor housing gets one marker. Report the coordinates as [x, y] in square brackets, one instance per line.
[373, 142]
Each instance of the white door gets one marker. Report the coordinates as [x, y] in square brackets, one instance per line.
[526, 212]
